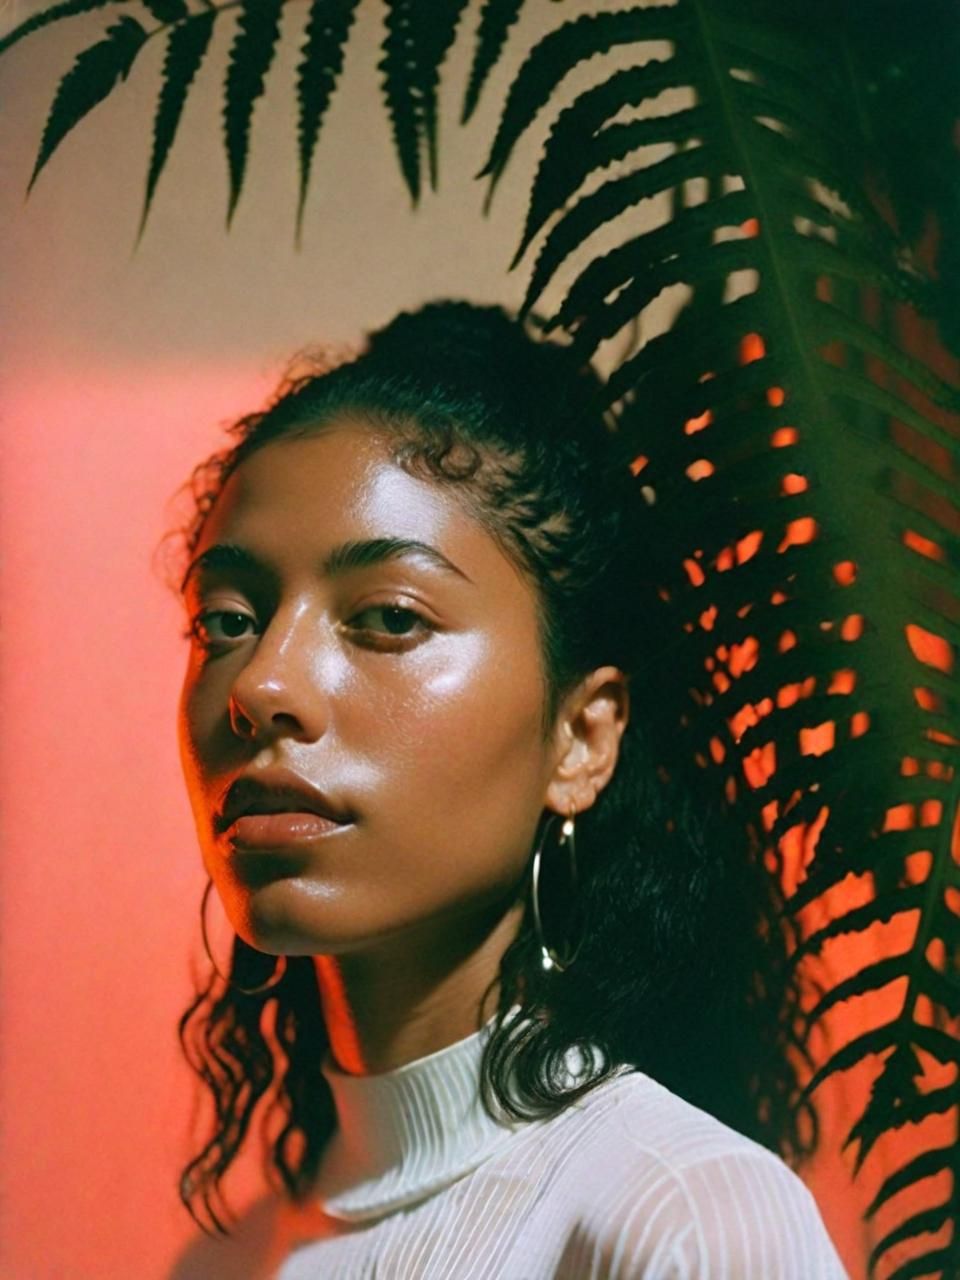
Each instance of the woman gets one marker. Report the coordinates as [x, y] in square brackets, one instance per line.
[490, 967]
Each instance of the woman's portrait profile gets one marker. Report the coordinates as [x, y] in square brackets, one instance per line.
[502, 726]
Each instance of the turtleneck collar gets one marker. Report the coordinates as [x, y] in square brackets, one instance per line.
[403, 1134]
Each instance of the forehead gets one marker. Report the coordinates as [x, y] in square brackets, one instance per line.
[297, 497]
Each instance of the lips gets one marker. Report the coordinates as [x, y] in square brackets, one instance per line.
[280, 801]
[280, 830]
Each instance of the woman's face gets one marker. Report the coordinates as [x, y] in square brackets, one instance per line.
[408, 691]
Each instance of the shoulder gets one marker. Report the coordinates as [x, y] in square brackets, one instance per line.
[673, 1193]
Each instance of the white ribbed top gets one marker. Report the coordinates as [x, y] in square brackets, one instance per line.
[419, 1183]
[404, 1134]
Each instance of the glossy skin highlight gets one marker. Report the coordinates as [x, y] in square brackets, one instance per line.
[412, 695]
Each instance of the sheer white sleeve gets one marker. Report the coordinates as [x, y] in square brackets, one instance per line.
[739, 1216]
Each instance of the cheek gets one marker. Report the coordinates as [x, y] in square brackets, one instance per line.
[463, 765]
[200, 718]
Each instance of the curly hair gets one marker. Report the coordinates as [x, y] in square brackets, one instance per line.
[684, 966]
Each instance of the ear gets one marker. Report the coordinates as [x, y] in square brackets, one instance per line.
[587, 735]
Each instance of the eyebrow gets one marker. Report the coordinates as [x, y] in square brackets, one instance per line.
[355, 554]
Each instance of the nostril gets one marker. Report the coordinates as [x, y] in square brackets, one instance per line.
[241, 724]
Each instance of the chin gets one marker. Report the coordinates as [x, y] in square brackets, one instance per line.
[289, 917]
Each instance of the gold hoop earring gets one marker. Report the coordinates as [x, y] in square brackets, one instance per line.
[549, 959]
[271, 982]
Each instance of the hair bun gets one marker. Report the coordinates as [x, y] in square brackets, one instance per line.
[476, 345]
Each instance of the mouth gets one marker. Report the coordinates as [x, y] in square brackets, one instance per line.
[281, 830]
[275, 806]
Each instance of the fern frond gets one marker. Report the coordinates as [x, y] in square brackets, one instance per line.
[559, 52]
[186, 46]
[436, 26]
[934, 1262]
[327, 30]
[258, 30]
[36, 21]
[167, 11]
[880, 909]
[784, 414]
[417, 42]
[615, 197]
[574, 152]
[496, 19]
[401, 90]
[94, 73]
[926, 1165]
[917, 1224]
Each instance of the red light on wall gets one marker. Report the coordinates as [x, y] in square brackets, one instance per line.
[925, 547]
[845, 572]
[760, 764]
[700, 469]
[859, 724]
[798, 532]
[929, 648]
[749, 545]
[818, 739]
[752, 347]
[852, 627]
[692, 425]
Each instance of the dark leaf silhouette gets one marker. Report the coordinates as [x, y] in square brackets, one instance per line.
[401, 90]
[167, 11]
[902, 83]
[569, 45]
[186, 46]
[797, 456]
[258, 30]
[496, 19]
[436, 26]
[328, 26]
[769, 423]
[95, 72]
[417, 41]
[36, 21]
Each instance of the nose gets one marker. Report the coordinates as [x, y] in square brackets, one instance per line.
[279, 692]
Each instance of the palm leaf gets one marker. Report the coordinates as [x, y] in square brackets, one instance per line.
[703, 414]
[187, 44]
[258, 30]
[328, 26]
[496, 19]
[94, 73]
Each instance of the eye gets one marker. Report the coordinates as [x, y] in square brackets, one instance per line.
[397, 620]
[203, 628]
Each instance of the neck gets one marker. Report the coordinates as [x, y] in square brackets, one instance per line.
[403, 1134]
[412, 997]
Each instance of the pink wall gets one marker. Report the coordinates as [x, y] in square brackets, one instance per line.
[101, 876]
